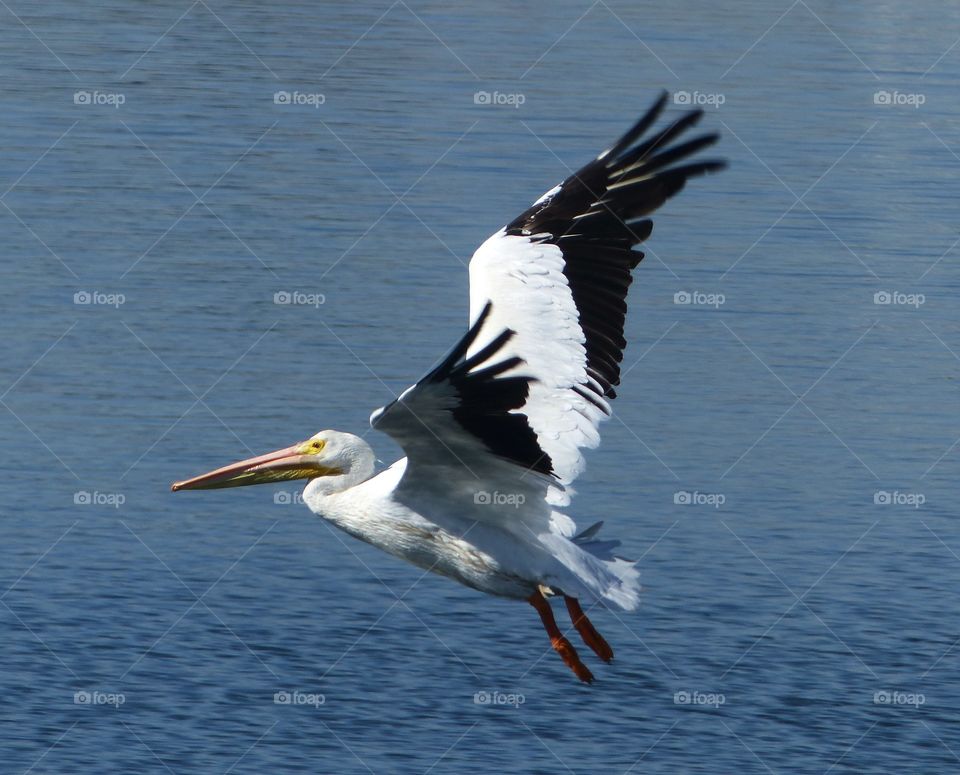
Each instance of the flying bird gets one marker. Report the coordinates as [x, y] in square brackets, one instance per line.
[494, 435]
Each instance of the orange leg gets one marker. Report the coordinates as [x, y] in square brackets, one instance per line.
[560, 644]
[587, 631]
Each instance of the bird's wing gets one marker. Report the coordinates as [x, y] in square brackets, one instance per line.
[466, 442]
[558, 275]
[525, 389]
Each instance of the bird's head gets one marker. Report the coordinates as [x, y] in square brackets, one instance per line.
[332, 454]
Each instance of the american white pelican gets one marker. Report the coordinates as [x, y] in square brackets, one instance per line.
[493, 435]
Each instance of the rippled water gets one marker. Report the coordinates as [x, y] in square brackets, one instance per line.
[802, 624]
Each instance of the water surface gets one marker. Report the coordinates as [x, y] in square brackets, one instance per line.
[797, 602]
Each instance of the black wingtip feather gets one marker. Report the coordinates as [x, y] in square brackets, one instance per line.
[486, 400]
[640, 128]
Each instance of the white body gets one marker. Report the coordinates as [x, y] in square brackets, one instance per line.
[464, 545]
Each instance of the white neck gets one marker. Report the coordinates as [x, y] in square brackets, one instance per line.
[360, 465]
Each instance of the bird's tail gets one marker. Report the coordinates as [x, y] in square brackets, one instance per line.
[587, 540]
[598, 573]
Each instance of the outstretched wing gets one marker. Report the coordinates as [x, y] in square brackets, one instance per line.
[558, 276]
[526, 388]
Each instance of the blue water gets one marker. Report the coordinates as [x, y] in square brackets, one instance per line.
[781, 612]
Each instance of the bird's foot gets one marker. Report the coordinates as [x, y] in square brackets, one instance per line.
[560, 644]
[587, 631]
[571, 659]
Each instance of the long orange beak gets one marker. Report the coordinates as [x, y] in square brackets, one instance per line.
[281, 465]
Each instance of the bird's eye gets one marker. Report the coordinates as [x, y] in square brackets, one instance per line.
[315, 446]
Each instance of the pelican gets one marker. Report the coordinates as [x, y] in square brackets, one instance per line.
[494, 435]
